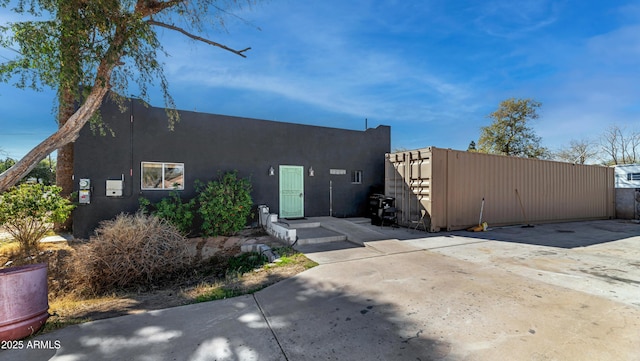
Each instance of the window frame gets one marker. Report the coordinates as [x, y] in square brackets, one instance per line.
[163, 170]
[633, 176]
[356, 177]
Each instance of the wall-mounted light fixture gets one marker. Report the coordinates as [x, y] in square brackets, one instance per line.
[311, 172]
[272, 171]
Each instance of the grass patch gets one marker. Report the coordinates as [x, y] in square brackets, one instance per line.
[308, 264]
[9, 247]
[297, 258]
[55, 323]
[223, 291]
[217, 293]
[289, 255]
[70, 310]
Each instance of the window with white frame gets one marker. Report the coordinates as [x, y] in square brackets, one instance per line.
[356, 177]
[633, 176]
[158, 176]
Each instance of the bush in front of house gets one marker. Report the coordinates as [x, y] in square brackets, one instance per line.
[173, 209]
[221, 206]
[129, 251]
[224, 204]
[28, 212]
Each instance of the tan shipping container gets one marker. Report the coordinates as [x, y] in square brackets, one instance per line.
[451, 184]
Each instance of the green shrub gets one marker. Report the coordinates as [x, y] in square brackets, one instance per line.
[29, 211]
[131, 251]
[172, 209]
[224, 204]
[247, 262]
[219, 293]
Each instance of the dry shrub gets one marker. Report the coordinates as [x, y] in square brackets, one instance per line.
[131, 251]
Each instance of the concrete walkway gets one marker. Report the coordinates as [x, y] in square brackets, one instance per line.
[459, 296]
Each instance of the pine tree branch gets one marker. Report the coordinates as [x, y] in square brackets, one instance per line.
[198, 38]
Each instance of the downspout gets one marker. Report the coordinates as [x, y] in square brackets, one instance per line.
[330, 198]
[131, 148]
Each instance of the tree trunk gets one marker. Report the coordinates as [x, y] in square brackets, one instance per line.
[66, 134]
[70, 81]
[64, 163]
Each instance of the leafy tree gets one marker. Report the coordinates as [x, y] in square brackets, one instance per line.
[510, 133]
[578, 152]
[28, 212]
[44, 172]
[6, 164]
[620, 146]
[84, 49]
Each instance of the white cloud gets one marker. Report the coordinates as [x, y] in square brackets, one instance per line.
[322, 61]
[510, 19]
[621, 46]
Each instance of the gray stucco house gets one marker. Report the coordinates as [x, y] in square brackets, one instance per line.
[297, 170]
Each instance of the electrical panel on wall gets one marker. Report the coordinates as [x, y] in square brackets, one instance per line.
[84, 197]
[114, 188]
[84, 194]
[85, 183]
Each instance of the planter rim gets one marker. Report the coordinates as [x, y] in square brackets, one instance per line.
[18, 269]
[23, 300]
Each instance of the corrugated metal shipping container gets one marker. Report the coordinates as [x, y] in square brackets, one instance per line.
[451, 184]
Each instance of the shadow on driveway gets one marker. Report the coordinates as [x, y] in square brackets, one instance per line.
[561, 235]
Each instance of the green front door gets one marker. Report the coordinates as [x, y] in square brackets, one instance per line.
[291, 191]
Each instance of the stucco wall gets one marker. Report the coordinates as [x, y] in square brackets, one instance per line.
[208, 144]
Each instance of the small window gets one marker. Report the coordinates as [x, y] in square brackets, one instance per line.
[156, 175]
[356, 177]
[633, 176]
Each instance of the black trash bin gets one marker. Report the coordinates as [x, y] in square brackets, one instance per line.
[375, 203]
[381, 209]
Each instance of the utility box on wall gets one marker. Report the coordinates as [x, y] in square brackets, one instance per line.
[114, 188]
[84, 193]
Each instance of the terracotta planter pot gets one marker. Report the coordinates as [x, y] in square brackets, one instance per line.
[23, 301]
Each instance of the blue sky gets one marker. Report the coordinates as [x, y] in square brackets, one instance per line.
[432, 70]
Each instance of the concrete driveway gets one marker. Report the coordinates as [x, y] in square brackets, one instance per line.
[551, 292]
